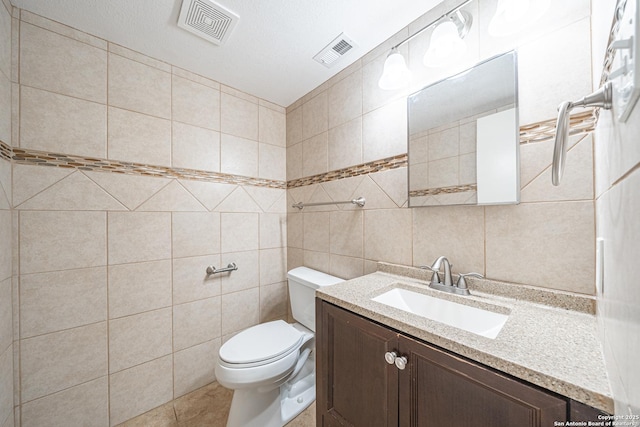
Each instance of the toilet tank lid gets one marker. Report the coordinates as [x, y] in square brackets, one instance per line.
[312, 278]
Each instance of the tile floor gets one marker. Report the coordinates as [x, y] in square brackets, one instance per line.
[206, 407]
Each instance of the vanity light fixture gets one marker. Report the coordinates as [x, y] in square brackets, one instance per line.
[447, 40]
[446, 45]
[513, 16]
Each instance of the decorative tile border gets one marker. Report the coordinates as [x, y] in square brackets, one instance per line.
[583, 122]
[357, 170]
[443, 190]
[34, 157]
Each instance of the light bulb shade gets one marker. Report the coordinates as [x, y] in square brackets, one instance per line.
[513, 16]
[395, 75]
[446, 46]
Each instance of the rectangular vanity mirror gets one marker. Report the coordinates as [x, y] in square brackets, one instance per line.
[464, 137]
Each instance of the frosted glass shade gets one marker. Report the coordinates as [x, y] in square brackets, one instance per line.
[446, 46]
[395, 75]
[513, 16]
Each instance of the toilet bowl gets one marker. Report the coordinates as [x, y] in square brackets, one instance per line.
[271, 366]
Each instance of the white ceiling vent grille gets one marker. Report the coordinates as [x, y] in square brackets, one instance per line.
[334, 50]
[207, 19]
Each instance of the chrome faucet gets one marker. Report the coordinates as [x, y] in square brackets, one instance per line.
[459, 288]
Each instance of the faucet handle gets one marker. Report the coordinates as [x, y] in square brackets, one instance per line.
[435, 277]
[461, 283]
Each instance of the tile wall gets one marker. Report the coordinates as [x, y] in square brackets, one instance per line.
[547, 240]
[617, 172]
[7, 345]
[114, 313]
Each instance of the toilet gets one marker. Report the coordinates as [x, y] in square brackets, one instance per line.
[271, 366]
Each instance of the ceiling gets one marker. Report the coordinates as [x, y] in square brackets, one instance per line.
[270, 52]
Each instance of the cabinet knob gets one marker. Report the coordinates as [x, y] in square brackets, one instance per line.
[401, 362]
[390, 357]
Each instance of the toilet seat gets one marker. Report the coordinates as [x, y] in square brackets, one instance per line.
[260, 345]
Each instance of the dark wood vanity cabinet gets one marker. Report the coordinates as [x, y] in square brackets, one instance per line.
[357, 387]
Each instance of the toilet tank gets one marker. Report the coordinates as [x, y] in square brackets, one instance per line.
[303, 283]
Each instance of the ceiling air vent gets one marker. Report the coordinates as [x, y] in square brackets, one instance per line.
[207, 19]
[334, 50]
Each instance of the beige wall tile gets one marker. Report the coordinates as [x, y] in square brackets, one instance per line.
[384, 132]
[5, 109]
[345, 145]
[346, 233]
[195, 148]
[541, 87]
[394, 183]
[210, 194]
[194, 367]
[387, 235]
[174, 197]
[5, 45]
[239, 201]
[140, 138]
[134, 288]
[78, 240]
[272, 127]
[240, 310]
[195, 104]
[317, 260]
[60, 360]
[295, 230]
[315, 155]
[344, 100]
[139, 389]
[60, 64]
[195, 233]
[74, 192]
[139, 338]
[61, 124]
[444, 172]
[5, 244]
[294, 161]
[294, 126]
[238, 156]
[138, 57]
[195, 77]
[273, 302]
[6, 314]
[139, 87]
[315, 118]
[196, 322]
[247, 275]
[6, 382]
[239, 231]
[272, 162]
[61, 300]
[59, 28]
[542, 244]
[83, 405]
[273, 266]
[190, 281]
[456, 232]
[444, 144]
[316, 231]
[346, 267]
[130, 190]
[239, 117]
[139, 236]
[273, 230]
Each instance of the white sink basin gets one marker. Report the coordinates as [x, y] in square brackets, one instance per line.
[471, 319]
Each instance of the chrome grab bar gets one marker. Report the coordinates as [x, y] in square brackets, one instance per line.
[602, 98]
[359, 201]
[212, 270]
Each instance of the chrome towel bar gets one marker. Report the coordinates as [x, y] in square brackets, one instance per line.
[359, 201]
[212, 270]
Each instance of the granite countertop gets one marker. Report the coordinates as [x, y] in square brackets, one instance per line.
[553, 347]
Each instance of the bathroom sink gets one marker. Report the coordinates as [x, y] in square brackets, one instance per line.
[482, 322]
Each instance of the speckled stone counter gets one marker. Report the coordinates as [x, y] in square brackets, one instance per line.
[555, 348]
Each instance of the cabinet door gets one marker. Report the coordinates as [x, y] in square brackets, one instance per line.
[355, 385]
[438, 389]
